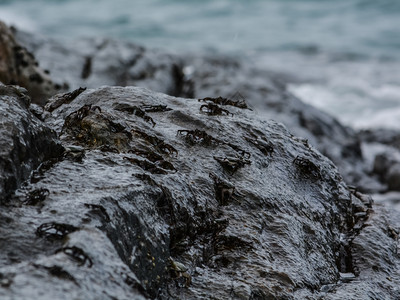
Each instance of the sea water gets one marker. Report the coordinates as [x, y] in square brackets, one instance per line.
[342, 56]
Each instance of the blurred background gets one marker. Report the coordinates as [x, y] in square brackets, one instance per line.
[342, 56]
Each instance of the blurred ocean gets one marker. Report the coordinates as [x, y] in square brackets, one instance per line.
[343, 56]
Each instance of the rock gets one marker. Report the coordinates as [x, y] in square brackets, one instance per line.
[18, 66]
[25, 141]
[154, 198]
[383, 146]
[235, 78]
[385, 164]
[394, 177]
[95, 62]
[390, 137]
[375, 255]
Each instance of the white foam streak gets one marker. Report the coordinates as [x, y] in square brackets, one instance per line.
[12, 18]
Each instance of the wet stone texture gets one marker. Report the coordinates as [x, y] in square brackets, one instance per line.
[95, 62]
[156, 198]
[25, 142]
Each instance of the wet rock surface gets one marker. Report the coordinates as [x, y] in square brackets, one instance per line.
[25, 141]
[155, 197]
[152, 196]
[95, 62]
[268, 96]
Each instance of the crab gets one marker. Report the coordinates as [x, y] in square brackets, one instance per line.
[232, 164]
[262, 145]
[100, 210]
[85, 110]
[65, 98]
[155, 108]
[197, 137]
[165, 148]
[146, 165]
[108, 148]
[239, 150]
[38, 174]
[77, 254]
[178, 270]
[224, 101]
[223, 190]
[158, 143]
[54, 230]
[212, 109]
[153, 157]
[79, 115]
[74, 153]
[36, 196]
[135, 111]
[307, 167]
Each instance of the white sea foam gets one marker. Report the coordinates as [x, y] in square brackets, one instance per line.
[355, 102]
[14, 18]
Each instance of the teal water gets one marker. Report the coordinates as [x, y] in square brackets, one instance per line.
[345, 54]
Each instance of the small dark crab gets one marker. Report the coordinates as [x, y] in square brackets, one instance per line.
[223, 190]
[77, 254]
[150, 155]
[155, 158]
[146, 165]
[135, 111]
[158, 143]
[55, 231]
[85, 110]
[232, 164]
[307, 168]
[99, 210]
[36, 196]
[156, 108]
[79, 115]
[212, 109]
[197, 137]
[74, 153]
[59, 99]
[261, 144]
[165, 148]
[180, 271]
[239, 150]
[241, 103]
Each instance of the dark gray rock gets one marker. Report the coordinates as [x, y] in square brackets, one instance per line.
[95, 62]
[25, 141]
[390, 137]
[235, 78]
[386, 155]
[141, 205]
[375, 255]
[393, 179]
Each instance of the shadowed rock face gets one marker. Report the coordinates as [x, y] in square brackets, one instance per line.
[25, 141]
[154, 198]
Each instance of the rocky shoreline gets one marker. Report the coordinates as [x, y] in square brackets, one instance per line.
[174, 189]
